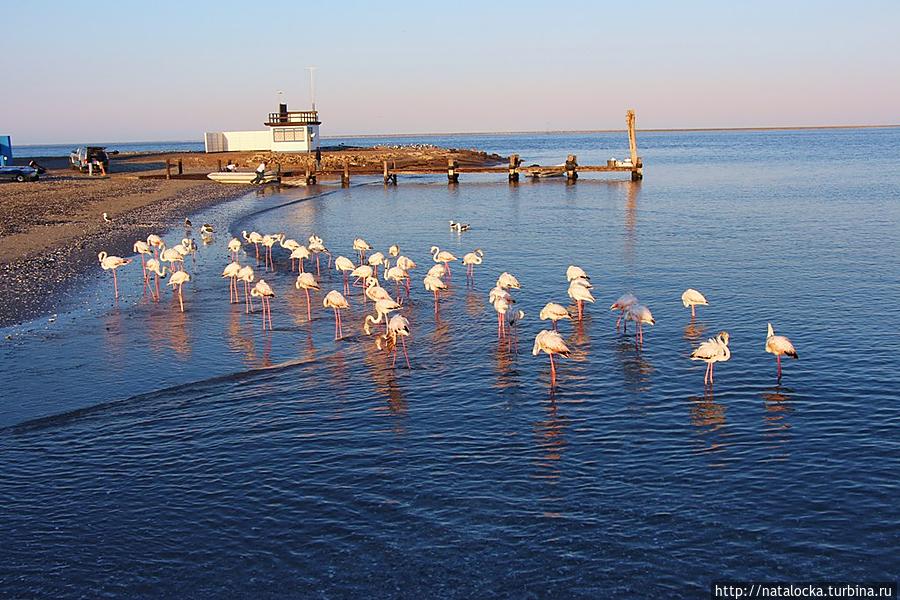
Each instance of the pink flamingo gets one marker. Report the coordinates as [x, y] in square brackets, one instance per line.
[550, 343]
[336, 301]
[264, 292]
[306, 282]
[111, 263]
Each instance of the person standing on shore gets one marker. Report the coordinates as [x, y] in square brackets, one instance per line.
[260, 173]
[318, 158]
[231, 167]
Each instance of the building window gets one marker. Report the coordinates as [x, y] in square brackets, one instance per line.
[289, 134]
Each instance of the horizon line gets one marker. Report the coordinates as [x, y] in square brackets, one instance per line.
[519, 132]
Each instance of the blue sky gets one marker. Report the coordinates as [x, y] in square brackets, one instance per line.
[119, 71]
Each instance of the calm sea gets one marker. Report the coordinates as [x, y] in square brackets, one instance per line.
[148, 452]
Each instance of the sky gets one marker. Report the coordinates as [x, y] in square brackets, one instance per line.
[164, 70]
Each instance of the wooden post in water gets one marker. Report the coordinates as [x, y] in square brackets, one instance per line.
[168, 169]
[514, 163]
[180, 167]
[345, 176]
[387, 173]
[220, 165]
[389, 176]
[310, 172]
[638, 167]
[571, 168]
[452, 175]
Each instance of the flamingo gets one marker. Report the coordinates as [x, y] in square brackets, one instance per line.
[508, 281]
[442, 256]
[316, 246]
[471, 259]
[501, 300]
[190, 247]
[779, 345]
[640, 314]
[624, 302]
[407, 265]
[231, 272]
[336, 301]
[397, 275]
[436, 285]
[171, 256]
[299, 254]
[247, 276]
[580, 294]
[712, 351]
[574, 272]
[264, 292]
[155, 242]
[692, 298]
[397, 328]
[141, 247]
[111, 263]
[290, 245]
[255, 239]
[178, 279]
[438, 271]
[344, 265]
[153, 266]
[363, 273]
[361, 246]
[268, 241]
[383, 308]
[375, 292]
[306, 282]
[550, 342]
[376, 259]
[234, 245]
[554, 312]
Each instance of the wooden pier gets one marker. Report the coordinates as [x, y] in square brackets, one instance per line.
[568, 170]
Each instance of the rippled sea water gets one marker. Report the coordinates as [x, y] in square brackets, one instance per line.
[146, 452]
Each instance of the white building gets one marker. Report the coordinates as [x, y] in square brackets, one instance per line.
[289, 131]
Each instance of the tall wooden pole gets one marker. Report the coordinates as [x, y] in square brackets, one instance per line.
[632, 140]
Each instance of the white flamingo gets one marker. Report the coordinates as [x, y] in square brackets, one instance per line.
[177, 280]
[550, 343]
[231, 272]
[471, 259]
[336, 301]
[442, 256]
[306, 282]
[554, 312]
[264, 292]
[580, 294]
[712, 351]
[640, 314]
[624, 302]
[111, 263]
[780, 346]
[693, 298]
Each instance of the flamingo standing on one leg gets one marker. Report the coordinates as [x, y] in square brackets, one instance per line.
[264, 292]
[640, 314]
[231, 272]
[345, 266]
[442, 256]
[436, 285]
[407, 265]
[550, 343]
[306, 282]
[375, 259]
[624, 302]
[178, 279]
[554, 312]
[153, 266]
[363, 274]
[712, 351]
[501, 300]
[471, 259]
[234, 246]
[111, 263]
[155, 242]
[580, 293]
[336, 301]
[693, 298]
[779, 345]
[247, 276]
[317, 247]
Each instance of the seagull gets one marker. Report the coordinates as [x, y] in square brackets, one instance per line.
[459, 227]
[188, 224]
[106, 218]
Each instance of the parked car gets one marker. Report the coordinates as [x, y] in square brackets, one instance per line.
[82, 157]
[18, 174]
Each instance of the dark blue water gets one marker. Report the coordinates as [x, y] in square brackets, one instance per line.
[154, 453]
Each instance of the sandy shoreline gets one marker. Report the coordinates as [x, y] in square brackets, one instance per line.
[53, 229]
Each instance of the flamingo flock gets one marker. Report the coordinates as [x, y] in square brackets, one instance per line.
[387, 307]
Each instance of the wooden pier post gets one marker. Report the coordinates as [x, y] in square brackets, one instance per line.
[452, 175]
[168, 169]
[389, 176]
[310, 173]
[571, 168]
[514, 163]
[220, 165]
[638, 167]
[345, 176]
[180, 167]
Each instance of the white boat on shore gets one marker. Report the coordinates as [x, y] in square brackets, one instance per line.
[244, 178]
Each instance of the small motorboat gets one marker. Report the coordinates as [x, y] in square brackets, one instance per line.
[243, 178]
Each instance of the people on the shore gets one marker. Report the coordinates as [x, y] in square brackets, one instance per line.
[260, 173]
[318, 158]
[231, 167]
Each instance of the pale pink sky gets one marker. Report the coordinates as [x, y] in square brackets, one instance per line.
[406, 67]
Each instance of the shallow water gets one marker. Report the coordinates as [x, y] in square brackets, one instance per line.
[154, 453]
